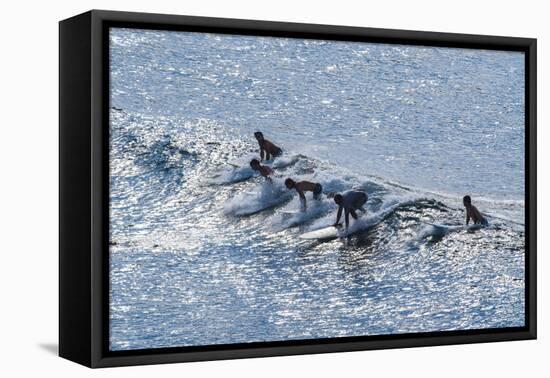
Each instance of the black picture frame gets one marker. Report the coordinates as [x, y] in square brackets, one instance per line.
[84, 184]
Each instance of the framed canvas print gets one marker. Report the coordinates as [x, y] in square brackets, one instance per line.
[233, 188]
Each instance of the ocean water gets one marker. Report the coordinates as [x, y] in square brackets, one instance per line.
[203, 251]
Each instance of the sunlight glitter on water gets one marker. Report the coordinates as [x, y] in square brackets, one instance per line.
[203, 251]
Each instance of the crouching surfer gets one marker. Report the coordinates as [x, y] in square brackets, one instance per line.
[473, 213]
[305, 186]
[350, 202]
[267, 149]
[264, 170]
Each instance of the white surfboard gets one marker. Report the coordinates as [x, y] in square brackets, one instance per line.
[450, 227]
[440, 230]
[445, 226]
[330, 232]
[290, 212]
[477, 226]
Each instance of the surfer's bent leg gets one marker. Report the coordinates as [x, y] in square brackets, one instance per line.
[353, 214]
[317, 192]
[360, 202]
[363, 200]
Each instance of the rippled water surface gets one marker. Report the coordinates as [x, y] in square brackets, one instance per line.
[205, 252]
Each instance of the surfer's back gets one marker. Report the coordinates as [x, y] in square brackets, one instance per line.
[353, 198]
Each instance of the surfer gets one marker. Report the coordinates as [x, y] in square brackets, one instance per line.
[264, 170]
[266, 147]
[472, 212]
[305, 186]
[350, 201]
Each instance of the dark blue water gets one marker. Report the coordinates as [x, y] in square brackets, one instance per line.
[204, 252]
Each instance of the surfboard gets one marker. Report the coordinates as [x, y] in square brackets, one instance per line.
[473, 227]
[440, 230]
[330, 232]
[290, 212]
[450, 227]
[439, 225]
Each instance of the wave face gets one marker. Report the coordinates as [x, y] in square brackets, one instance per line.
[203, 251]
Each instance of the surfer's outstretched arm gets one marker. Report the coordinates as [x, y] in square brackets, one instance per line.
[467, 217]
[338, 216]
[261, 153]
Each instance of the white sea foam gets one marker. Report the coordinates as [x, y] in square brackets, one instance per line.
[264, 196]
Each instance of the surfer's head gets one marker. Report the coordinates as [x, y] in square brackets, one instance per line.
[259, 136]
[338, 199]
[467, 201]
[289, 183]
[255, 164]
